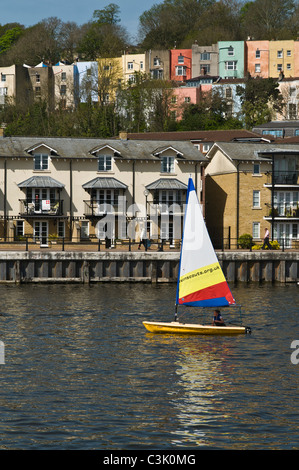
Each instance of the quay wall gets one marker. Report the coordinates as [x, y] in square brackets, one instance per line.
[152, 267]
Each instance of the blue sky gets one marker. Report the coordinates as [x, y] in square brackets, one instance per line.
[30, 12]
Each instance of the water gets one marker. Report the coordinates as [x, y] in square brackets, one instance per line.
[81, 372]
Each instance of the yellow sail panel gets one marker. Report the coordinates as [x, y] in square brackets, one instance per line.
[200, 279]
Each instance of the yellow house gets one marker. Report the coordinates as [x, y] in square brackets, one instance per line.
[110, 75]
[250, 187]
[282, 58]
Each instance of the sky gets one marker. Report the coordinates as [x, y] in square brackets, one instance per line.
[30, 12]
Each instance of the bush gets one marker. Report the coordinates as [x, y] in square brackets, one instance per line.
[245, 240]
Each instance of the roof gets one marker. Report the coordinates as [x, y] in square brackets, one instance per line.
[104, 183]
[40, 182]
[278, 125]
[206, 136]
[252, 151]
[167, 183]
[65, 147]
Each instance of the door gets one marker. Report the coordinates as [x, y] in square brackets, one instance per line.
[41, 231]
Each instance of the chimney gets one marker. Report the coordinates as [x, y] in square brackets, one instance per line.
[123, 135]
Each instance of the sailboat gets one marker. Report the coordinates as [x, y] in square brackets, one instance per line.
[201, 282]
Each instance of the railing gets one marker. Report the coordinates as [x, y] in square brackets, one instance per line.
[31, 243]
[283, 209]
[40, 207]
[93, 208]
[282, 177]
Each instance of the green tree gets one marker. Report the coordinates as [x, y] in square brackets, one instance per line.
[259, 98]
[9, 38]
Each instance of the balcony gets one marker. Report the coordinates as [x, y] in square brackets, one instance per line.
[96, 208]
[41, 208]
[283, 210]
[282, 178]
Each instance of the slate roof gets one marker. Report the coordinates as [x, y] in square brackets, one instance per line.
[104, 183]
[40, 182]
[252, 151]
[167, 183]
[83, 148]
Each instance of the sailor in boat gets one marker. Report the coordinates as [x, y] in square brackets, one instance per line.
[217, 319]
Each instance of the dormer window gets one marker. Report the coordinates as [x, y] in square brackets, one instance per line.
[167, 165]
[41, 161]
[105, 163]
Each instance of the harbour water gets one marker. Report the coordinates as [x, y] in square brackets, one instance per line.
[82, 373]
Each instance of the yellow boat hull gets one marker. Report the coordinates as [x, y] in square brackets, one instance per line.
[194, 329]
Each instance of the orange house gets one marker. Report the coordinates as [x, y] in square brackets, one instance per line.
[257, 58]
[180, 64]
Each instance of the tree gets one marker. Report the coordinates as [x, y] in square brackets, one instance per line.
[267, 19]
[259, 98]
[108, 15]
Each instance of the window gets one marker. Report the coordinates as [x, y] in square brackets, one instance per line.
[279, 67]
[63, 90]
[279, 54]
[141, 65]
[41, 161]
[289, 53]
[180, 59]
[105, 163]
[38, 91]
[277, 133]
[19, 228]
[231, 65]
[3, 91]
[256, 169]
[206, 148]
[130, 65]
[257, 68]
[61, 229]
[228, 92]
[3, 77]
[205, 68]
[292, 111]
[84, 229]
[167, 165]
[157, 61]
[231, 50]
[289, 66]
[205, 56]
[256, 230]
[257, 54]
[256, 199]
[187, 99]
[37, 78]
[63, 75]
[180, 70]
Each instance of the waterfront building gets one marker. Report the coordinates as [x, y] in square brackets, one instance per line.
[82, 189]
[251, 186]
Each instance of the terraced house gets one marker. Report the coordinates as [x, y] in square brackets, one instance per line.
[82, 189]
[251, 186]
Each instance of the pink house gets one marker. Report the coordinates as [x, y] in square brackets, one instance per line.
[180, 64]
[187, 95]
[257, 58]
